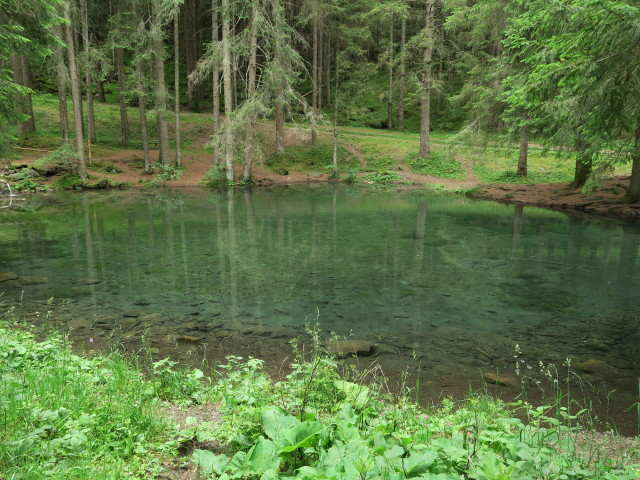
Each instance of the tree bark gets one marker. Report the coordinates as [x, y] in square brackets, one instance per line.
[335, 121]
[425, 97]
[124, 121]
[314, 82]
[327, 70]
[216, 80]
[62, 77]
[390, 80]
[524, 152]
[584, 163]
[226, 73]
[279, 94]
[21, 76]
[176, 83]
[142, 102]
[75, 92]
[633, 194]
[161, 87]
[249, 146]
[403, 73]
[91, 119]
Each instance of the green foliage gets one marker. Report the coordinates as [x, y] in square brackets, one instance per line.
[310, 158]
[29, 185]
[164, 173]
[383, 177]
[438, 164]
[107, 167]
[71, 181]
[215, 177]
[61, 413]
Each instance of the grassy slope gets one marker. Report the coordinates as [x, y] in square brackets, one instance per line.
[379, 151]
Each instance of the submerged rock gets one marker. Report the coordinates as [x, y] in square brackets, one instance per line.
[33, 280]
[503, 381]
[342, 348]
[6, 276]
[131, 313]
[596, 367]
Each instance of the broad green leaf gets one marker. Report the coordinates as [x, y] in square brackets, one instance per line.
[210, 462]
[418, 463]
[302, 435]
[275, 421]
[261, 457]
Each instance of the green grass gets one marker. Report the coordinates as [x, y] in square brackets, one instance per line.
[307, 158]
[438, 164]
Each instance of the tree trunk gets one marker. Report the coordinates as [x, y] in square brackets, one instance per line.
[524, 152]
[249, 146]
[22, 77]
[390, 80]
[216, 80]
[226, 73]
[279, 94]
[161, 87]
[633, 194]
[584, 163]
[142, 102]
[403, 73]
[335, 122]
[75, 92]
[425, 98]
[91, 119]
[124, 121]
[62, 76]
[314, 82]
[176, 83]
[28, 82]
[327, 69]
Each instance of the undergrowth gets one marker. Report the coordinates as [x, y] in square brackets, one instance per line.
[100, 417]
[438, 164]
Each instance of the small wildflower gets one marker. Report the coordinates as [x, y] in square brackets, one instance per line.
[90, 339]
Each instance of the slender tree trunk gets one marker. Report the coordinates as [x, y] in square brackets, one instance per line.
[249, 146]
[226, 73]
[335, 121]
[28, 82]
[584, 163]
[390, 81]
[633, 195]
[425, 98]
[91, 119]
[63, 81]
[124, 121]
[314, 82]
[141, 76]
[216, 80]
[176, 83]
[320, 53]
[75, 92]
[327, 70]
[524, 152]
[403, 72]
[21, 76]
[161, 86]
[277, 59]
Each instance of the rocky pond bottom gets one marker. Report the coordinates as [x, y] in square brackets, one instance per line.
[442, 293]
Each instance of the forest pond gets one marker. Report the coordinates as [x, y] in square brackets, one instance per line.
[446, 288]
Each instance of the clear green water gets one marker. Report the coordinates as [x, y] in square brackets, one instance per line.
[451, 282]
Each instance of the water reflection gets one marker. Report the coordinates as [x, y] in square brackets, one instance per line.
[447, 283]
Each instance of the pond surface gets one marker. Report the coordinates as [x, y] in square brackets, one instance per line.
[447, 288]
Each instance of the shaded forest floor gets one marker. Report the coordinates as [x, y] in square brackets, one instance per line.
[374, 156]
